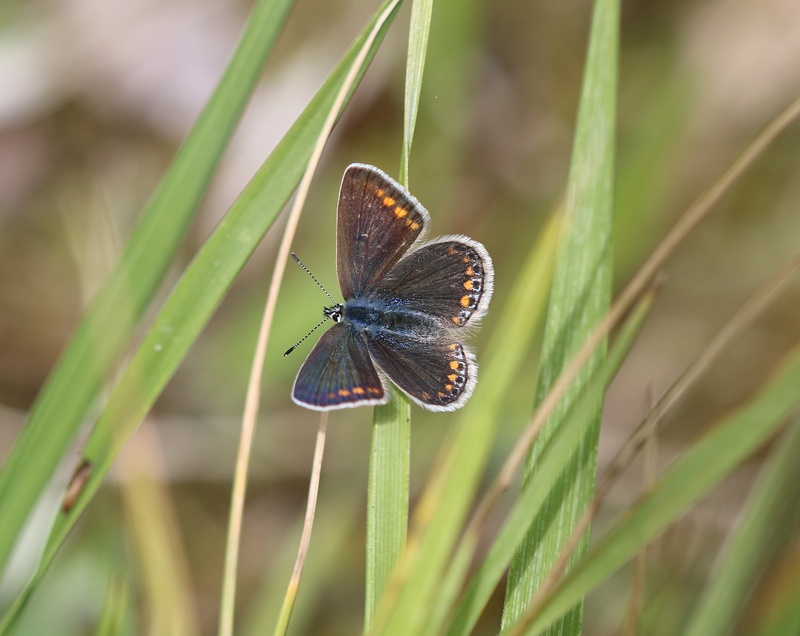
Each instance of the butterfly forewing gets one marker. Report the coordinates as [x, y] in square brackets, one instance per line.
[439, 375]
[378, 220]
[338, 373]
[451, 279]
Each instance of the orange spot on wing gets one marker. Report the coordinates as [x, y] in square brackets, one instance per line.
[468, 285]
[415, 226]
[440, 394]
[466, 259]
[452, 377]
[465, 301]
[451, 251]
[400, 212]
[389, 202]
[379, 192]
[457, 320]
[426, 395]
[469, 271]
[453, 365]
[448, 387]
[453, 346]
[344, 392]
[358, 390]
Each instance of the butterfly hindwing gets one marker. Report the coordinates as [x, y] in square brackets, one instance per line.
[451, 278]
[378, 220]
[439, 374]
[338, 373]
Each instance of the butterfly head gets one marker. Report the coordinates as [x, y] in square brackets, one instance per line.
[335, 313]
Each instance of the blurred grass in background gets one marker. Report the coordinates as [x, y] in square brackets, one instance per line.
[95, 98]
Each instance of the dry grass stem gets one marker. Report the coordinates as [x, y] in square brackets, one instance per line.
[254, 385]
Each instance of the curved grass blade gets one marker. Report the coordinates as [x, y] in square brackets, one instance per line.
[768, 516]
[199, 292]
[390, 451]
[718, 452]
[580, 299]
[102, 336]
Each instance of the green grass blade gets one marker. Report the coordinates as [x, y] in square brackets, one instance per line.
[417, 47]
[387, 497]
[106, 329]
[115, 609]
[565, 442]
[580, 298]
[390, 454]
[443, 507]
[202, 287]
[766, 519]
[719, 451]
[778, 613]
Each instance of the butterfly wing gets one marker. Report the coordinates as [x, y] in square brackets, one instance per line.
[338, 373]
[378, 220]
[437, 375]
[451, 279]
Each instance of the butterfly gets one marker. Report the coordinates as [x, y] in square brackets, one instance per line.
[407, 304]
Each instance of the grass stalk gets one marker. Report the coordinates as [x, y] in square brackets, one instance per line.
[390, 452]
[308, 524]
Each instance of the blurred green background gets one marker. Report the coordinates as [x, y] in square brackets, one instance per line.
[96, 96]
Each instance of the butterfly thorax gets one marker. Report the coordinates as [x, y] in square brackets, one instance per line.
[371, 314]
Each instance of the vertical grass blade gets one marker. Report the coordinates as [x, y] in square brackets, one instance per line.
[768, 516]
[579, 299]
[418, 31]
[564, 443]
[440, 514]
[115, 610]
[106, 329]
[201, 289]
[387, 496]
[719, 451]
[778, 612]
[154, 533]
[390, 452]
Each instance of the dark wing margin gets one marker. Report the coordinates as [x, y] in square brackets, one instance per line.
[338, 373]
[451, 278]
[378, 220]
[437, 375]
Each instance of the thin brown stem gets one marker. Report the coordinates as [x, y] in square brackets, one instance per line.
[305, 536]
[640, 564]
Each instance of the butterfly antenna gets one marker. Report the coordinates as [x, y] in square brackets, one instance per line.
[308, 334]
[300, 263]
